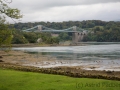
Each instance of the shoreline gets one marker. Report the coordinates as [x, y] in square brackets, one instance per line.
[44, 45]
[16, 60]
[67, 71]
[47, 45]
[41, 61]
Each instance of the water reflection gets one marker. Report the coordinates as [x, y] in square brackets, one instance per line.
[79, 56]
[99, 54]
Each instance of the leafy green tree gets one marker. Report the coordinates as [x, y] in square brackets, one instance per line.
[6, 10]
[5, 31]
[31, 37]
[5, 35]
[64, 36]
[18, 38]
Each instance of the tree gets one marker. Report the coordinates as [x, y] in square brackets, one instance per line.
[5, 30]
[64, 36]
[6, 10]
[31, 37]
[18, 37]
[5, 35]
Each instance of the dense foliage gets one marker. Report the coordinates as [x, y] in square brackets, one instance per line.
[107, 33]
[62, 25]
[101, 31]
[32, 37]
[5, 35]
[5, 30]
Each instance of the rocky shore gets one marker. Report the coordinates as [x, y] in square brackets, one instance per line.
[16, 60]
[67, 71]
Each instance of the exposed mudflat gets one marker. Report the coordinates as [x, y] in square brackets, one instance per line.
[26, 59]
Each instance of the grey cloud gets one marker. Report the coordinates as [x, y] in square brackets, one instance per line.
[43, 4]
[60, 10]
[74, 2]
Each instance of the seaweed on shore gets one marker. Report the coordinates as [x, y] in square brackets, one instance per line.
[67, 71]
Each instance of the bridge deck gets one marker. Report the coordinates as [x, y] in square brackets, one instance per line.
[56, 31]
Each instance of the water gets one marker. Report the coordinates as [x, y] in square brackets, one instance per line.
[97, 56]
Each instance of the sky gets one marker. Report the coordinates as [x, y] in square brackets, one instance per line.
[67, 10]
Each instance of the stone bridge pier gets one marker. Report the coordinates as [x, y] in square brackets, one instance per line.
[40, 28]
[77, 36]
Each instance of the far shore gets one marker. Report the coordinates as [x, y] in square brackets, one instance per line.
[63, 44]
[44, 45]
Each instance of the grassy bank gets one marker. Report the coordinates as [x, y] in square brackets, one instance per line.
[67, 71]
[18, 80]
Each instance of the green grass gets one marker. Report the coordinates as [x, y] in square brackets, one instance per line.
[17, 80]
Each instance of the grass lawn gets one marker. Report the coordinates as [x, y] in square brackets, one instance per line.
[17, 80]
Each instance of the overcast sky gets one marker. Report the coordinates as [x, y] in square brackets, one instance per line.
[67, 10]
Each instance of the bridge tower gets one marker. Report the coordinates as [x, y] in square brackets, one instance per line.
[39, 27]
[74, 35]
[77, 36]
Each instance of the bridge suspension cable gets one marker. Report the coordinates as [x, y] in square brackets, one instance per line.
[30, 28]
[46, 29]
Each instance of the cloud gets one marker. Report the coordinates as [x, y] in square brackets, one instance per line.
[43, 4]
[65, 10]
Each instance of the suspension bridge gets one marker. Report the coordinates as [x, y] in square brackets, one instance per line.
[77, 33]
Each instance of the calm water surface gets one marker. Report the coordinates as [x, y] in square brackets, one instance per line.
[100, 54]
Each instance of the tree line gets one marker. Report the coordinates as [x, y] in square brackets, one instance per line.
[62, 25]
[107, 33]
[20, 37]
[103, 31]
